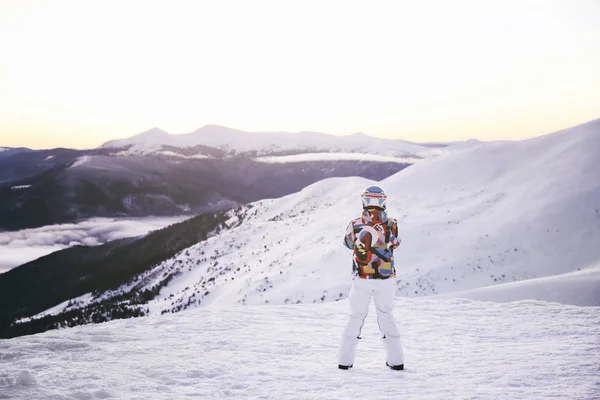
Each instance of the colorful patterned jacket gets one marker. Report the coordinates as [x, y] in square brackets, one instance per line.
[373, 238]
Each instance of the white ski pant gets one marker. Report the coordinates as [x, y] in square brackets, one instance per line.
[383, 292]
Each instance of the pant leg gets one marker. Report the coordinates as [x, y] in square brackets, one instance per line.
[384, 304]
[359, 298]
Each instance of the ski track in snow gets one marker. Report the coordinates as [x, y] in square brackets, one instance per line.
[455, 349]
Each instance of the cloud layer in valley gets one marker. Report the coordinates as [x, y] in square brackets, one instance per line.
[22, 246]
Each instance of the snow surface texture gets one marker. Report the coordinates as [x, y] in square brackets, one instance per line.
[264, 142]
[455, 349]
[22, 246]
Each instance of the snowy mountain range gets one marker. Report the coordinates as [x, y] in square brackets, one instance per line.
[500, 221]
[233, 141]
[214, 168]
[499, 214]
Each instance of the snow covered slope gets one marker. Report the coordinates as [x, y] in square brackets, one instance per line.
[579, 288]
[455, 349]
[264, 143]
[498, 216]
[149, 141]
[491, 215]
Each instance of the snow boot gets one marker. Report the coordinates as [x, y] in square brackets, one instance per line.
[396, 367]
[340, 366]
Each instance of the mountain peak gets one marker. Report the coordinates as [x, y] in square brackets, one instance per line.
[151, 136]
[153, 133]
[211, 129]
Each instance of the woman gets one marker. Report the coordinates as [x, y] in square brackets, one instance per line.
[373, 239]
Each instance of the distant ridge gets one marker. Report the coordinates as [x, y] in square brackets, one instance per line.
[262, 143]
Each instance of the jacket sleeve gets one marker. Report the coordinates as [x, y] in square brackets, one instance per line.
[350, 237]
[394, 242]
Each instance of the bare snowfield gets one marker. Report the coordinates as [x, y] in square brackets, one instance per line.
[455, 349]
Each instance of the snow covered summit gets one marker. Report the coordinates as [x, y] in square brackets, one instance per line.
[151, 140]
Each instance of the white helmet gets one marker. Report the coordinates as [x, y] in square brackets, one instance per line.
[374, 196]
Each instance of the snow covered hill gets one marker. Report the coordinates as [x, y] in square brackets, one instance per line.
[269, 143]
[499, 216]
[496, 214]
[455, 349]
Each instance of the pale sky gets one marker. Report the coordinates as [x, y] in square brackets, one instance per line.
[76, 73]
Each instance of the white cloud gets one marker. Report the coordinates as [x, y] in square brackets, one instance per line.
[11, 257]
[173, 154]
[335, 157]
[22, 246]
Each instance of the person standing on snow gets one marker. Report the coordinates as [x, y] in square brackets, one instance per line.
[373, 238]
